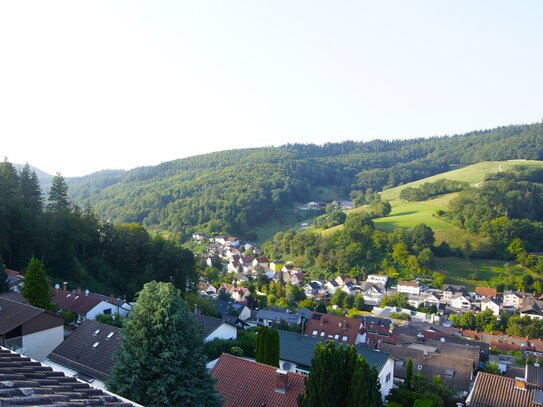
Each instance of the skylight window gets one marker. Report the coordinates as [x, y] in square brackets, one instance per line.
[96, 344]
[314, 333]
[344, 339]
[322, 333]
[109, 335]
[96, 332]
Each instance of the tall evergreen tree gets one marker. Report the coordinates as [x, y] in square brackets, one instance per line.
[36, 287]
[340, 378]
[409, 373]
[161, 360]
[267, 346]
[4, 286]
[58, 195]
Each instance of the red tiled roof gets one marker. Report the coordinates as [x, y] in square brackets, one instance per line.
[494, 390]
[241, 382]
[470, 334]
[78, 303]
[328, 326]
[485, 292]
[505, 346]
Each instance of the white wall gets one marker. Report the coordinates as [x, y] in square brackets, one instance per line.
[40, 344]
[407, 289]
[387, 368]
[225, 331]
[103, 306]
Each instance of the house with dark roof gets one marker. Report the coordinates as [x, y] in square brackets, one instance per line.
[270, 318]
[25, 382]
[335, 328]
[88, 352]
[241, 382]
[87, 305]
[28, 329]
[232, 309]
[213, 328]
[296, 352]
[532, 309]
[534, 374]
[493, 390]
[15, 280]
[455, 371]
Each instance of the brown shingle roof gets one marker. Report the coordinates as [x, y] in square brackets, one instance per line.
[79, 353]
[71, 301]
[241, 382]
[328, 326]
[14, 314]
[493, 390]
[29, 383]
[485, 292]
[409, 283]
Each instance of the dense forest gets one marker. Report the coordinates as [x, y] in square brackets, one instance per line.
[77, 247]
[233, 191]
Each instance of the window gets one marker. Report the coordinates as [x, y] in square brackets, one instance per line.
[96, 344]
[107, 311]
[399, 363]
[96, 332]
[336, 337]
[449, 373]
[387, 378]
[322, 333]
[344, 339]
[314, 333]
[419, 367]
[109, 335]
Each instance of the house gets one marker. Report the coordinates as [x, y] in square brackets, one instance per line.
[346, 204]
[460, 302]
[207, 289]
[408, 287]
[516, 299]
[373, 294]
[87, 305]
[376, 330]
[331, 286]
[450, 290]
[315, 205]
[240, 294]
[485, 292]
[24, 381]
[213, 328]
[88, 353]
[232, 241]
[261, 261]
[350, 288]
[199, 236]
[454, 370]
[232, 309]
[28, 329]
[377, 279]
[494, 390]
[241, 382]
[342, 280]
[489, 303]
[271, 318]
[296, 352]
[333, 327]
[297, 278]
[312, 288]
[277, 265]
[15, 280]
[532, 309]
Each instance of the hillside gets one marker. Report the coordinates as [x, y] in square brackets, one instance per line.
[236, 191]
[408, 214]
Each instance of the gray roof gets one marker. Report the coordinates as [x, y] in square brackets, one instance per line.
[225, 307]
[27, 382]
[299, 349]
[79, 353]
[534, 375]
[14, 314]
[278, 316]
[208, 324]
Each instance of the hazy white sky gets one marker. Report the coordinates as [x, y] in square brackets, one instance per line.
[92, 85]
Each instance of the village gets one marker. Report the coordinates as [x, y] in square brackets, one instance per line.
[474, 364]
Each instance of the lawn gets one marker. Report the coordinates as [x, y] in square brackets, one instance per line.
[290, 219]
[477, 272]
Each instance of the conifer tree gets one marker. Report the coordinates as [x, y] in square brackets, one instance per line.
[161, 360]
[36, 287]
[58, 195]
[408, 373]
[267, 346]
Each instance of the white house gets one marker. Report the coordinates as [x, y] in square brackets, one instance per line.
[516, 299]
[489, 303]
[460, 302]
[27, 329]
[409, 287]
[377, 279]
[331, 286]
[213, 328]
[296, 351]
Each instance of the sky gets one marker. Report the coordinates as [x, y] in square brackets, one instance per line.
[86, 86]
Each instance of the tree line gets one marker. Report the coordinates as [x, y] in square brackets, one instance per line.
[75, 246]
[432, 189]
[234, 191]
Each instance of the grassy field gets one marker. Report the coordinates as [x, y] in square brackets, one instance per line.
[477, 272]
[409, 214]
[291, 219]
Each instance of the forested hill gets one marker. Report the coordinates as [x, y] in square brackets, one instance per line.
[233, 191]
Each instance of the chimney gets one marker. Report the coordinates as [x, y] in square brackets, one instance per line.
[111, 299]
[520, 383]
[281, 381]
[78, 291]
[65, 286]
